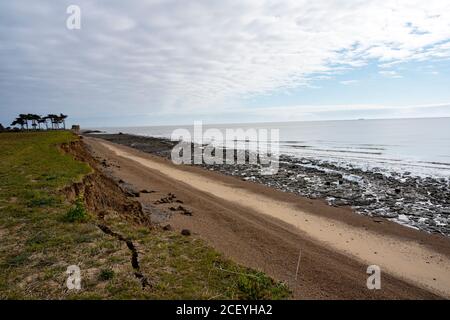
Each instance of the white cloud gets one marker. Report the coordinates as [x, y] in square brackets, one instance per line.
[143, 56]
[348, 82]
[390, 74]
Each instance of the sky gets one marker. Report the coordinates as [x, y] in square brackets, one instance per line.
[154, 62]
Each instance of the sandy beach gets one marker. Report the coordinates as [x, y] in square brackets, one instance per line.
[271, 231]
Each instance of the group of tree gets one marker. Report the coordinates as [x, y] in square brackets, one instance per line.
[36, 122]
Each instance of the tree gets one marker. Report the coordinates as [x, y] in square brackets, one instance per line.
[37, 120]
[42, 120]
[57, 120]
[62, 117]
[53, 119]
[19, 121]
[46, 118]
[49, 118]
[24, 119]
[34, 118]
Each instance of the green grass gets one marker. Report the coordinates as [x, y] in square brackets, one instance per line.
[78, 212]
[42, 234]
[106, 274]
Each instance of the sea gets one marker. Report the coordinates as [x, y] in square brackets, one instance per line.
[420, 147]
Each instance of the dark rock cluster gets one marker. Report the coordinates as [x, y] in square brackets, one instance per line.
[422, 203]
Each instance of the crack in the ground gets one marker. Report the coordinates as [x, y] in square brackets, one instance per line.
[134, 254]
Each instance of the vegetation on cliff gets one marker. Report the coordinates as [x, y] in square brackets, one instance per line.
[44, 231]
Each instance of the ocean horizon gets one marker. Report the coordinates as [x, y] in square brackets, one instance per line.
[420, 146]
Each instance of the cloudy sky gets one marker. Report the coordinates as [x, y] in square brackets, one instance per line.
[147, 62]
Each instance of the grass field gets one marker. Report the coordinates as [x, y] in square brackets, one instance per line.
[41, 234]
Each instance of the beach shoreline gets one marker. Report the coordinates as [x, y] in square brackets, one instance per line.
[266, 236]
[417, 202]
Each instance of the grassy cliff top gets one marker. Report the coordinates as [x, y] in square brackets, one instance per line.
[42, 234]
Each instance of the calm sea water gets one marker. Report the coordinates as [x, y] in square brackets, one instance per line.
[419, 146]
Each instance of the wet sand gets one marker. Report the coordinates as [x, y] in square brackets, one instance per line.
[267, 229]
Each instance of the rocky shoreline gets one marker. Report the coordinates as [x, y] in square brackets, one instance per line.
[421, 203]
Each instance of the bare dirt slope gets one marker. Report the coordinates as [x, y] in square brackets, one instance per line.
[267, 229]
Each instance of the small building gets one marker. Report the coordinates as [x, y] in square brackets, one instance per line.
[76, 128]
